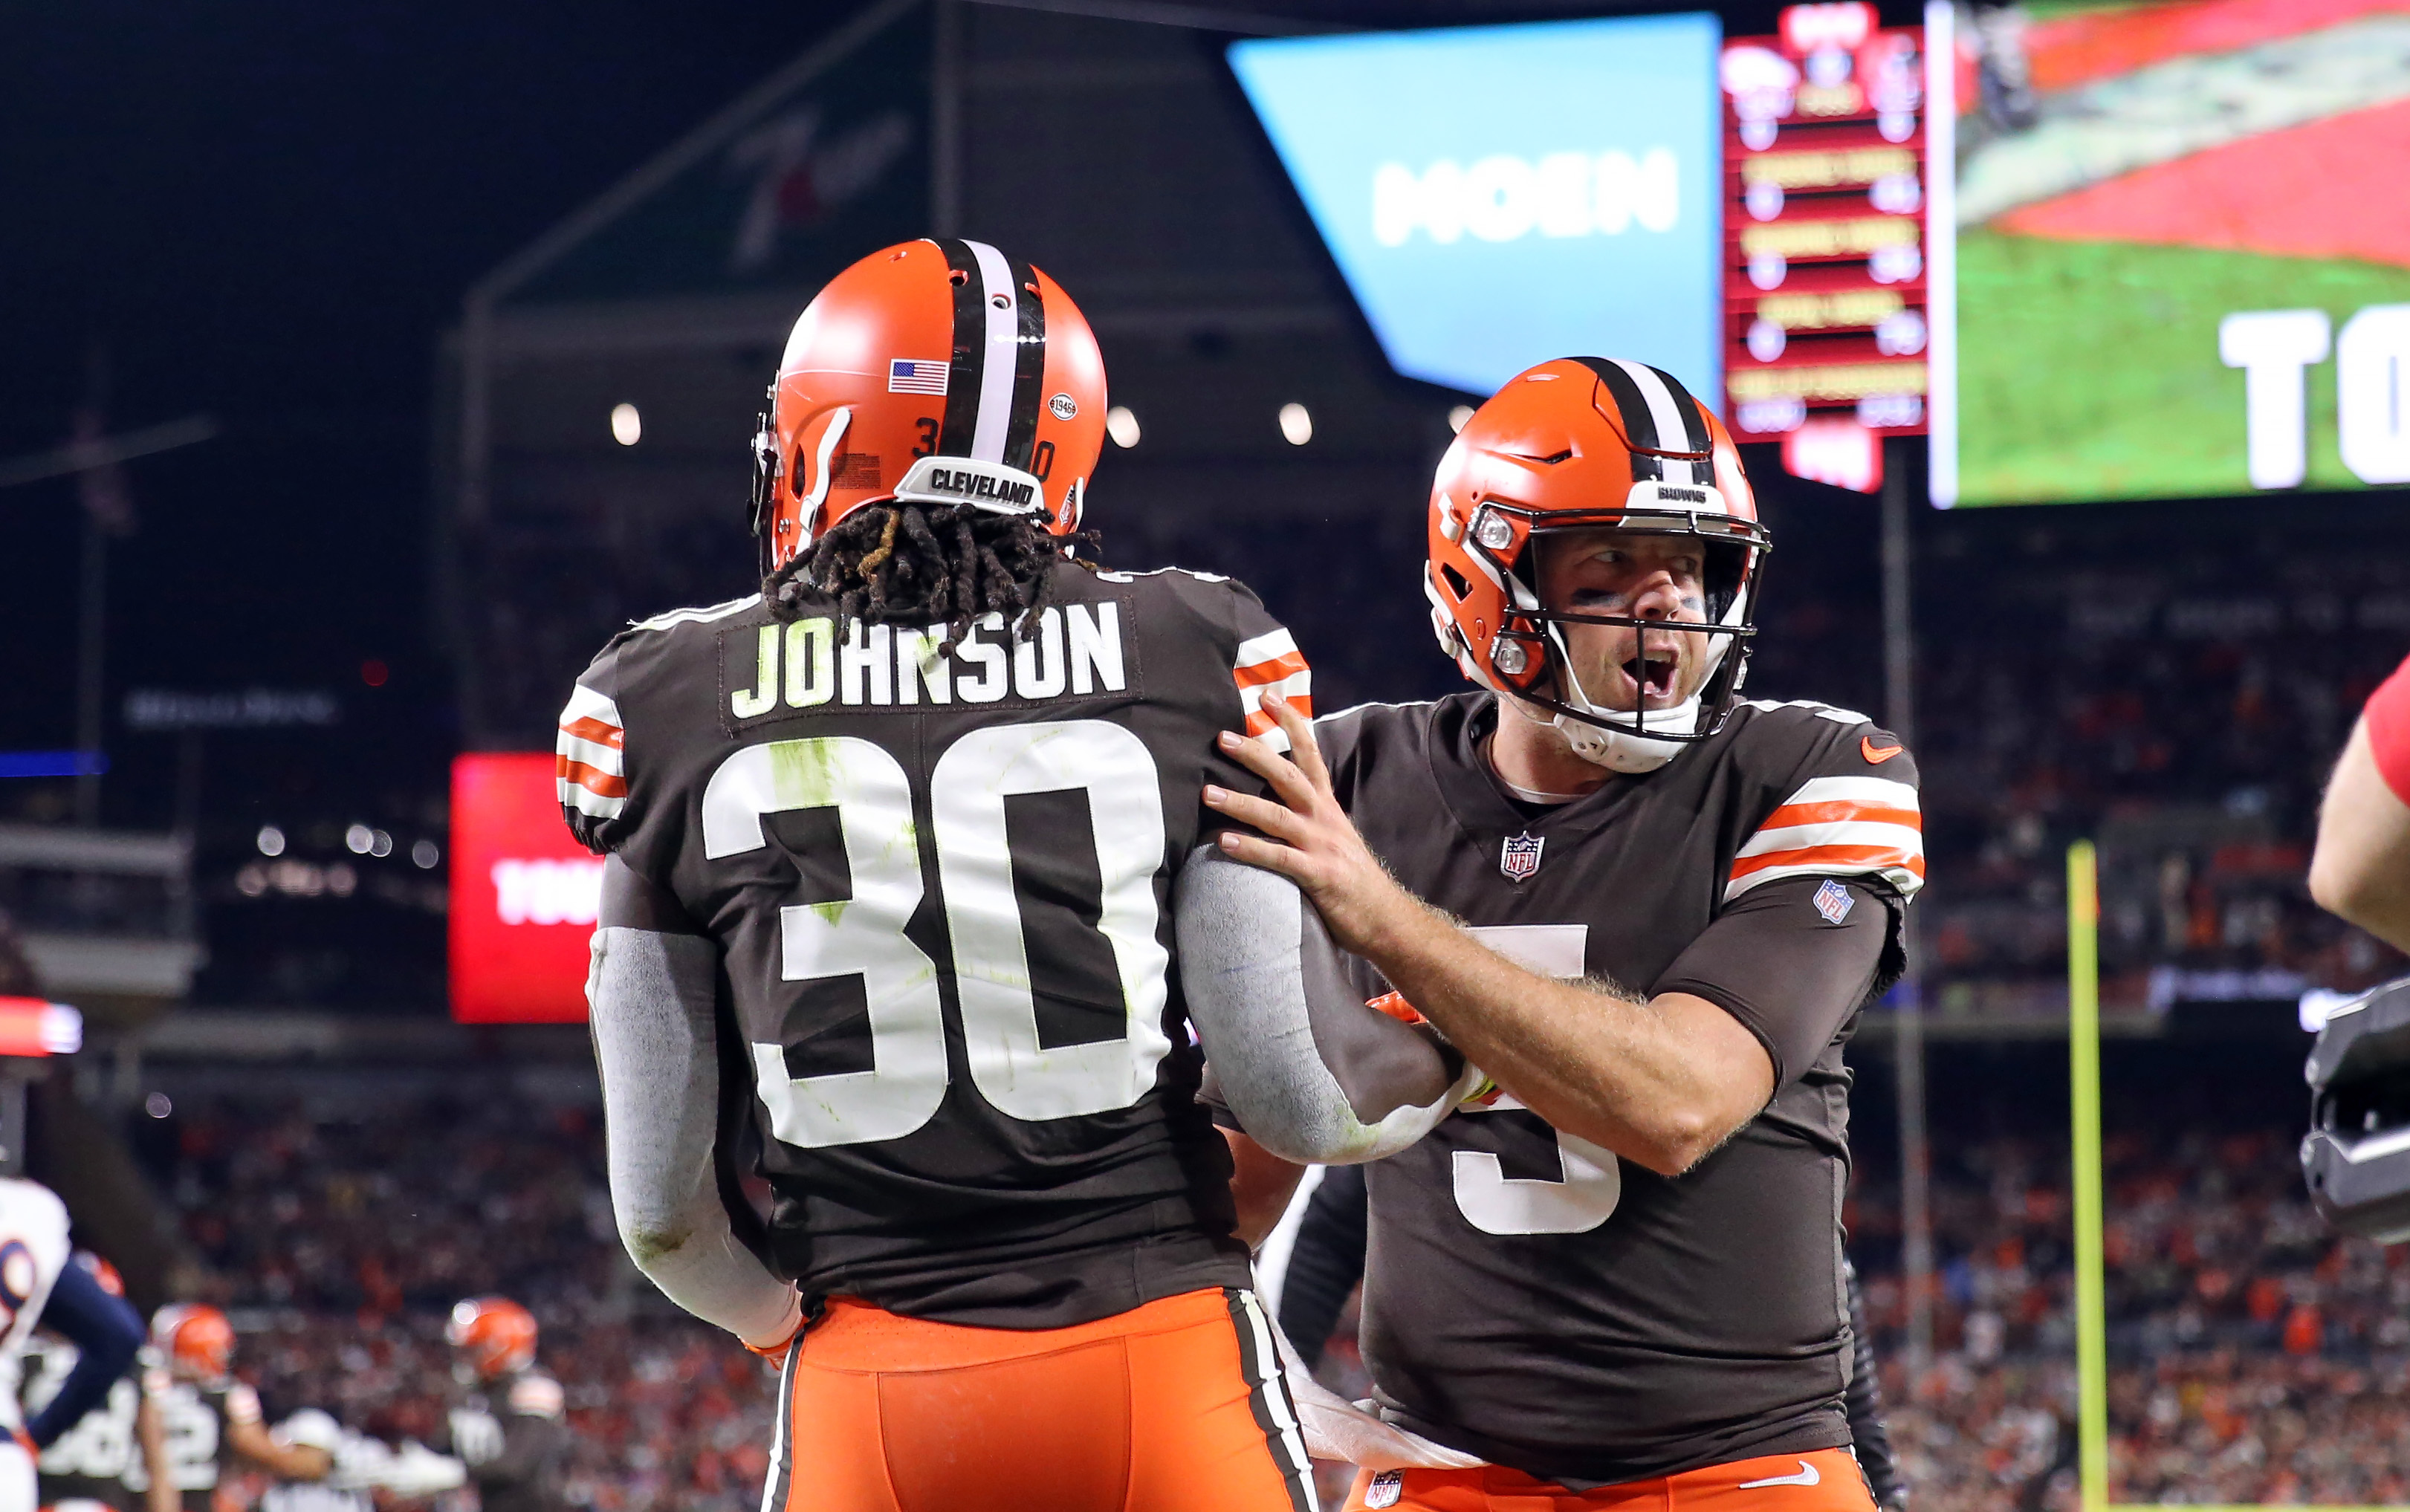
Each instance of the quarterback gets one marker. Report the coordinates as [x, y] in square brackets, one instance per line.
[911, 903]
[1650, 913]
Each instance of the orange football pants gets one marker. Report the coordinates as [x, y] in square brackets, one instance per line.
[1821, 1480]
[1175, 1407]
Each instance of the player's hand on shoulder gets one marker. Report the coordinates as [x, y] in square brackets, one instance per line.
[1306, 836]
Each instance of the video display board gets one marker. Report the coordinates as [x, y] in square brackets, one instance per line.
[1824, 255]
[2181, 255]
[524, 895]
[1499, 196]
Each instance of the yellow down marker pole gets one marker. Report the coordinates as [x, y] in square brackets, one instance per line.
[2083, 1076]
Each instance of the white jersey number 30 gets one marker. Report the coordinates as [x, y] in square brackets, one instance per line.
[863, 935]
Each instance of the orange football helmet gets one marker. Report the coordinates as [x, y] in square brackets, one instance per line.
[197, 1339]
[1583, 443]
[934, 371]
[496, 1334]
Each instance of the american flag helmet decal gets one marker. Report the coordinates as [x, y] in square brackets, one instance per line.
[907, 375]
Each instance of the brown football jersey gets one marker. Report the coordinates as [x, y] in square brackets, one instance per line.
[939, 875]
[1529, 1297]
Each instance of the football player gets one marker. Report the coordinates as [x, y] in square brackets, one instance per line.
[909, 890]
[211, 1420]
[1624, 1270]
[40, 1285]
[510, 1434]
[111, 1454]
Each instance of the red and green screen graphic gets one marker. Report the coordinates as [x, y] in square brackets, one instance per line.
[2183, 251]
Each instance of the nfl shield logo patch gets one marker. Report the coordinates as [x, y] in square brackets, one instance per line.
[1385, 1489]
[1834, 902]
[1520, 856]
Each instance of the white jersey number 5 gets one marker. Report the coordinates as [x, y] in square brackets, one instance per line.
[1590, 1184]
[863, 935]
[1576, 1202]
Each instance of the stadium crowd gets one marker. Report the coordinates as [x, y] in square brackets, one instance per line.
[2256, 1356]
[338, 1243]
[2177, 696]
[2182, 709]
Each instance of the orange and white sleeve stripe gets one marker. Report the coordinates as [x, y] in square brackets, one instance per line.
[1272, 660]
[1838, 826]
[590, 768]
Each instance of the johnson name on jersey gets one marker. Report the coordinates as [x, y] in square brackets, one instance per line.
[939, 874]
[1529, 1297]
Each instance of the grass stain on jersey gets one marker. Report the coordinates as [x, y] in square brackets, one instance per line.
[806, 774]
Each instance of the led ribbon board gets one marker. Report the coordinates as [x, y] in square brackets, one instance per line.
[1499, 196]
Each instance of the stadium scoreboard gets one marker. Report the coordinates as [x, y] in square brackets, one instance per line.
[1826, 324]
[2174, 262]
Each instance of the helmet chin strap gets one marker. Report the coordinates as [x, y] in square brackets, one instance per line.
[1618, 749]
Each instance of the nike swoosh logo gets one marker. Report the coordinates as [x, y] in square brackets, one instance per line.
[1875, 755]
[1806, 1476]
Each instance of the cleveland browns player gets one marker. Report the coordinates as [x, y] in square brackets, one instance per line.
[910, 900]
[1651, 914]
[510, 1433]
[212, 1420]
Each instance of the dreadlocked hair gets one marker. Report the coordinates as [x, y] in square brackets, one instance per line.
[924, 565]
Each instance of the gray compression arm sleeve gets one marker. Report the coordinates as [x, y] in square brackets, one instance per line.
[652, 997]
[1309, 1072]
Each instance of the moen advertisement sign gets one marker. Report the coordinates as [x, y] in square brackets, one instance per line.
[1499, 196]
[524, 895]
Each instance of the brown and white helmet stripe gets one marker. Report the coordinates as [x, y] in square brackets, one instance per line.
[999, 358]
[1669, 438]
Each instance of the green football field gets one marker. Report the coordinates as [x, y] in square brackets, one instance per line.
[2089, 370]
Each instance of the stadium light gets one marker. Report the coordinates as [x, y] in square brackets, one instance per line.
[1296, 425]
[627, 425]
[1122, 426]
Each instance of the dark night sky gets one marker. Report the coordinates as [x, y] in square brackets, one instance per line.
[268, 209]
